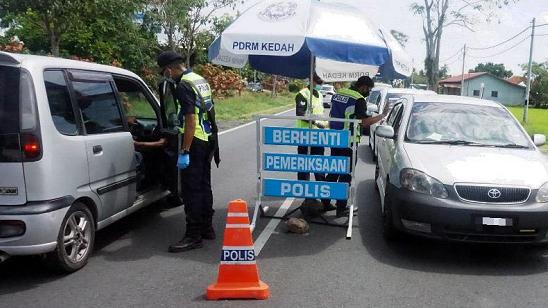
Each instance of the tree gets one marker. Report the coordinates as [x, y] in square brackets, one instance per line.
[105, 32]
[439, 14]
[401, 37]
[200, 15]
[419, 78]
[494, 69]
[539, 85]
[169, 15]
[53, 17]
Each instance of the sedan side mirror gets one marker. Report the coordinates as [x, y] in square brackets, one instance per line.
[372, 108]
[385, 131]
[539, 139]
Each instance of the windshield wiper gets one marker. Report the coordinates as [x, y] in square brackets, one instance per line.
[451, 142]
[511, 146]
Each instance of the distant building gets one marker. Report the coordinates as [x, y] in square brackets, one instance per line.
[486, 86]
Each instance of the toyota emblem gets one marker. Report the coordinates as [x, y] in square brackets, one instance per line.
[494, 193]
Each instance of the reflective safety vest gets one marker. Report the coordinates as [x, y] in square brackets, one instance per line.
[317, 107]
[203, 104]
[343, 105]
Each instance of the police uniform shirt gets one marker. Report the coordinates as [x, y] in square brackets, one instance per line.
[186, 97]
[360, 108]
[301, 102]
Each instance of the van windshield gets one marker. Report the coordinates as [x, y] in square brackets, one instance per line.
[9, 100]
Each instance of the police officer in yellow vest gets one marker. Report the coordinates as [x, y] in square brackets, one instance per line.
[196, 114]
[350, 104]
[301, 103]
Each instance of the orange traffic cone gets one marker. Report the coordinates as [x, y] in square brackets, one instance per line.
[238, 273]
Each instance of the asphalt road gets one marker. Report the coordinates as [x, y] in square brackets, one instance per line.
[131, 266]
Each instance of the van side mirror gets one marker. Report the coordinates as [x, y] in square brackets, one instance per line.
[539, 139]
[385, 131]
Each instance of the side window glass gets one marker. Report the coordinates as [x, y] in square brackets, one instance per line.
[134, 101]
[60, 105]
[392, 115]
[169, 107]
[397, 121]
[97, 102]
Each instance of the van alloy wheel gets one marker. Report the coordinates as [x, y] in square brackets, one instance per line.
[77, 236]
[75, 240]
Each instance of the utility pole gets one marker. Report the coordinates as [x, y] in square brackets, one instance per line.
[412, 72]
[462, 76]
[529, 67]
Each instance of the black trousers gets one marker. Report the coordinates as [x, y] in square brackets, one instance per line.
[305, 176]
[341, 178]
[196, 189]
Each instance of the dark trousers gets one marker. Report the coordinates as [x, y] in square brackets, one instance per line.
[341, 178]
[305, 176]
[196, 189]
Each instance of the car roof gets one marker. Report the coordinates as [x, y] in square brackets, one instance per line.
[403, 90]
[453, 99]
[43, 62]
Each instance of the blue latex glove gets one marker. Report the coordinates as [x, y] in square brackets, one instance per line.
[183, 161]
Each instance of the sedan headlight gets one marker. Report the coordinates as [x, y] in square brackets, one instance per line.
[420, 182]
[542, 193]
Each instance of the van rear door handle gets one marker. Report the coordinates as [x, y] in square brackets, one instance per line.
[97, 149]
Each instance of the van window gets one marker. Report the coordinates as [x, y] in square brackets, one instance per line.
[9, 100]
[100, 111]
[60, 105]
[134, 100]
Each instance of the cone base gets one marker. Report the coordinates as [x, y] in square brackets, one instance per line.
[238, 291]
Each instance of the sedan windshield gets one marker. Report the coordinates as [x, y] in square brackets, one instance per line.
[460, 124]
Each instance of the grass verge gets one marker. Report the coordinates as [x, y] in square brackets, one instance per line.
[243, 108]
[537, 121]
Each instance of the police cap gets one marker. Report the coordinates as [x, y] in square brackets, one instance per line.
[167, 57]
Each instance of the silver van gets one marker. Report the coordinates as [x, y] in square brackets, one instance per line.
[68, 166]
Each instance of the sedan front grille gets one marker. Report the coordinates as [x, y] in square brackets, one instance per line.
[492, 194]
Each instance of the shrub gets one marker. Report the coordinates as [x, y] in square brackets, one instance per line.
[222, 81]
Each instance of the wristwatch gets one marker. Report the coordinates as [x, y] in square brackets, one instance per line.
[184, 152]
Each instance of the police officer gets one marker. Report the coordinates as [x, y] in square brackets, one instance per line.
[350, 104]
[196, 114]
[301, 103]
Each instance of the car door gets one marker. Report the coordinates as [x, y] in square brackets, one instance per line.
[387, 147]
[109, 145]
[142, 112]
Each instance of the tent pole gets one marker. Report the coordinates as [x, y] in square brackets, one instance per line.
[311, 84]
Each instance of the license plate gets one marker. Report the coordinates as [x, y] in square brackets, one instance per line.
[501, 222]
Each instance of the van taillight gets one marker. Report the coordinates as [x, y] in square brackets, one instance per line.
[30, 146]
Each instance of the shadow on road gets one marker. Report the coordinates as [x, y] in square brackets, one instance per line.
[142, 235]
[437, 256]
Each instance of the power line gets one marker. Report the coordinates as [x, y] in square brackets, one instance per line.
[544, 34]
[501, 43]
[451, 57]
[453, 62]
[504, 51]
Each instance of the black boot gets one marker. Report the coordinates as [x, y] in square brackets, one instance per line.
[186, 244]
[327, 206]
[342, 211]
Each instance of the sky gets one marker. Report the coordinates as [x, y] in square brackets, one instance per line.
[510, 20]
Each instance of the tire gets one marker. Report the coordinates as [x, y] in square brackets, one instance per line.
[389, 231]
[75, 240]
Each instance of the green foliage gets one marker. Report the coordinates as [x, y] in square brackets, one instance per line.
[539, 84]
[498, 70]
[296, 85]
[420, 77]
